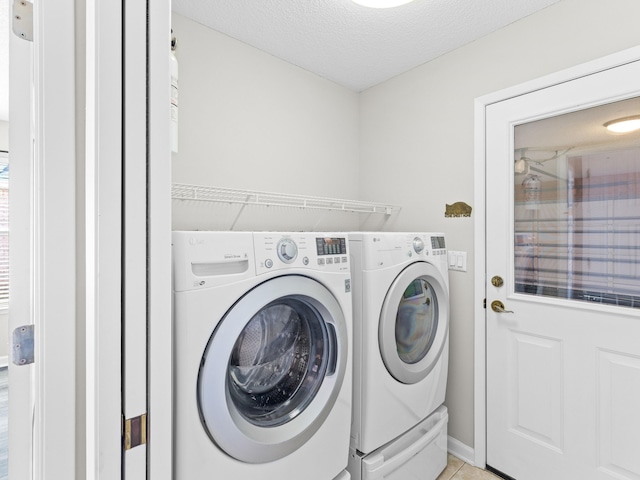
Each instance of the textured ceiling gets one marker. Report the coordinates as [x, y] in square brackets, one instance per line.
[352, 45]
[337, 39]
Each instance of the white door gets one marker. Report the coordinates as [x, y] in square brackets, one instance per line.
[21, 145]
[563, 232]
[42, 394]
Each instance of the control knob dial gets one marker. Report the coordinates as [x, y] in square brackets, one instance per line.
[287, 250]
[418, 245]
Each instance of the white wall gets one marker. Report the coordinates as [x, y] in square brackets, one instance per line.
[249, 120]
[423, 120]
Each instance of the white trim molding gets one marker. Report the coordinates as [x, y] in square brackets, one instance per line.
[54, 249]
[160, 355]
[103, 182]
[460, 450]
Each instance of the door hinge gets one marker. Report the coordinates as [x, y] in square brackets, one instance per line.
[135, 431]
[22, 19]
[484, 303]
[22, 345]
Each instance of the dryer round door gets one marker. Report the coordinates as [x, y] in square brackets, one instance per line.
[273, 369]
[414, 322]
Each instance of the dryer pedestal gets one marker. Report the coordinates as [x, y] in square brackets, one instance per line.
[419, 454]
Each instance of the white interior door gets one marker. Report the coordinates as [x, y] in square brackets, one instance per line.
[563, 232]
[21, 401]
[42, 398]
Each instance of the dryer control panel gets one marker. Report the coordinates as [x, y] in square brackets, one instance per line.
[312, 250]
[386, 249]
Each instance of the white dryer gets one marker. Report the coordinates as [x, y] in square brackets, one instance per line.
[401, 349]
[262, 361]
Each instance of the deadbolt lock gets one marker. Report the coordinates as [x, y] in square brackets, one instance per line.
[497, 281]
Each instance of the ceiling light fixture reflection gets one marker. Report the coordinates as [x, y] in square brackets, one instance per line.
[624, 125]
[381, 3]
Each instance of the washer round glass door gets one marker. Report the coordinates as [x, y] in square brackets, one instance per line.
[272, 369]
[414, 322]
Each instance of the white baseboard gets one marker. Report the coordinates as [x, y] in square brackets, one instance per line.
[460, 450]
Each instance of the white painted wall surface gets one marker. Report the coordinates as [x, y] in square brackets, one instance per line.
[423, 121]
[249, 120]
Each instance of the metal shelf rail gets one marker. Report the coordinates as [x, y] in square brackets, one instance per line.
[180, 191]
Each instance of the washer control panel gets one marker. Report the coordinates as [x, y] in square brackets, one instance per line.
[317, 251]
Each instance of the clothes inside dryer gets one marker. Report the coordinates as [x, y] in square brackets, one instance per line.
[413, 323]
[416, 321]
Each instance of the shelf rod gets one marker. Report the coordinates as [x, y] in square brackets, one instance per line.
[247, 197]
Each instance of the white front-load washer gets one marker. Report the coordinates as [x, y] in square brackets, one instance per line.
[262, 360]
[401, 349]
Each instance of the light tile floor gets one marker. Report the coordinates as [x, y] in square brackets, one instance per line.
[459, 470]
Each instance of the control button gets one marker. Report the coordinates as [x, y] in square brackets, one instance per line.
[305, 260]
[344, 259]
[321, 261]
[329, 261]
[336, 260]
[268, 263]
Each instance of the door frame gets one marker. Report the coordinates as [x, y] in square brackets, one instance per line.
[159, 303]
[480, 267]
[103, 230]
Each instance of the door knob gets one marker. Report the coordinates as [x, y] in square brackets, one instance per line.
[497, 281]
[498, 307]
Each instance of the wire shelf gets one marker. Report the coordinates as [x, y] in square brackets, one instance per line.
[181, 191]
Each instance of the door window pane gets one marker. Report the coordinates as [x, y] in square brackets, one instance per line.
[577, 207]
